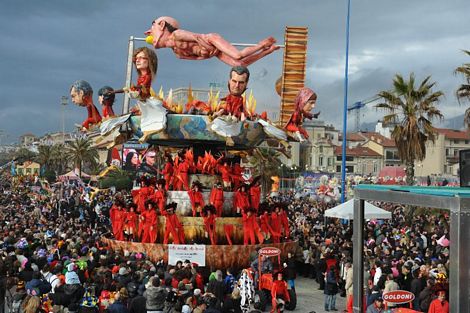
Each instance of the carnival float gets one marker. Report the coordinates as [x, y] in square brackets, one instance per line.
[199, 196]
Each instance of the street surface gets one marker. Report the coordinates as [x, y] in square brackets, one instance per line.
[310, 299]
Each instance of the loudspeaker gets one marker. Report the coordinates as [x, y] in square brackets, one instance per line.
[464, 168]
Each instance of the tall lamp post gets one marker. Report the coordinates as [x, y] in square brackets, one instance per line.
[63, 101]
[345, 107]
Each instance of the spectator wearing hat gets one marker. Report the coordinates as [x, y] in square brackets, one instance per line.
[377, 306]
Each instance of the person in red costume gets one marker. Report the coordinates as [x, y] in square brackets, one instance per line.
[284, 221]
[279, 293]
[276, 224]
[250, 228]
[173, 225]
[117, 216]
[149, 225]
[209, 222]
[304, 103]
[225, 171]
[181, 174]
[241, 200]
[106, 99]
[81, 94]
[196, 198]
[265, 223]
[216, 198]
[143, 194]
[130, 225]
[233, 104]
[440, 304]
[237, 173]
[167, 171]
[255, 194]
[159, 197]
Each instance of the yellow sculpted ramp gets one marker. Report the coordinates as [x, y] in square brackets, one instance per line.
[293, 69]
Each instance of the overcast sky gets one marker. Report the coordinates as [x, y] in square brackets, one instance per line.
[47, 45]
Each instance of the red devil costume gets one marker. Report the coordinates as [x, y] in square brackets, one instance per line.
[167, 172]
[143, 194]
[209, 222]
[241, 200]
[255, 195]
[130, 225]
[196, 198]
[276, 226]
[250, 228]
[225, 171]
[216, 198]
[173, 226]
[265, 224]
[295, 122]
[284, 223]
[278, 290]
[237, 173]
[149, 225]
[181, 179]
[117, 217]
[159, 197]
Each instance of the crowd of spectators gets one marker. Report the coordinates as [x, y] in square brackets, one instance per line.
[53, 259]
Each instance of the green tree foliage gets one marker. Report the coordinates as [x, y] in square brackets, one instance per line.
[412, 109]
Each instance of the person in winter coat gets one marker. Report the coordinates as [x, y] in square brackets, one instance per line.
[440, 304]
[425, 296]
[390, 285]
[290, 270]
[349, 287]
[331, 289]
[120, 302]
[155, 295]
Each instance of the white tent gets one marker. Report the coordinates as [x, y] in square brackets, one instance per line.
[346, 211]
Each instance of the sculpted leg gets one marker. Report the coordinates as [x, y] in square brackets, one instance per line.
[227, 48]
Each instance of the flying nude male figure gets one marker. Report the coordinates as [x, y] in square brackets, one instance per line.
[165, 33]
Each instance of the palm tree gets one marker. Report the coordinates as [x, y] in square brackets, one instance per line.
[80, 151]
[463, 93]
[59, 158]
[44, 156]
[412, 110]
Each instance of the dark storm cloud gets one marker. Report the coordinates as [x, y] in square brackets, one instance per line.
[49, 44]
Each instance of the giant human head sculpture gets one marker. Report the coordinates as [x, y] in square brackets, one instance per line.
[159, 27]
[81, 93]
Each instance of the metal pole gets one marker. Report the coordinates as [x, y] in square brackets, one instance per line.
[63, 102]
[345, 109]
[130, 51]
[358, 256]
[236, 44]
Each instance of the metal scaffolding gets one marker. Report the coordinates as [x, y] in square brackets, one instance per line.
[454, 199]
